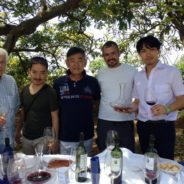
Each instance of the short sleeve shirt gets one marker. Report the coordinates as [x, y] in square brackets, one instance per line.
[167, 83]
[38, 115]
[76, 106]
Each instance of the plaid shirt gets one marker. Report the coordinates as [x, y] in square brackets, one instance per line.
[9, 101]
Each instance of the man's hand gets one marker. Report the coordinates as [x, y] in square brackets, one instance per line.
[18, 137]
[55, 147]
[158, 110]
[130, 109]
[2, 120]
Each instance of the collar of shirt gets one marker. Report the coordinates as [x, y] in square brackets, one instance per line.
[159, 65]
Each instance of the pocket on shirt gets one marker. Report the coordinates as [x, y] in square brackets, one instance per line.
[164, 93]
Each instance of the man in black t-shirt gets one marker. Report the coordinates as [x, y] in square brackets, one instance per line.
[76, 92]
[39, 107]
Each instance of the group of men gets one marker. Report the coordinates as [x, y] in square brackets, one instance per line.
[68, 107]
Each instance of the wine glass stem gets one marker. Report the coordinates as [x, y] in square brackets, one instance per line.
[112, 181]
[40, 158]
[49, 150]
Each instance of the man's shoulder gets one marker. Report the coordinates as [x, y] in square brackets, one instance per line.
[103, 71]
[169, 67]
[91, 78]
[129, 67]
[60, 79]
[8, 77]
[49, 89]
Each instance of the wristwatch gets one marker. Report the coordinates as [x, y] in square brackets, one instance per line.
[167, 109]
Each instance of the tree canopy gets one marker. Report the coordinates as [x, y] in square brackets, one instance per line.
[49, 27]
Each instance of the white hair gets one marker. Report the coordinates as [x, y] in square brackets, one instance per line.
[3, 52]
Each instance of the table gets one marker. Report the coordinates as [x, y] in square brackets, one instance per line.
[132, 170]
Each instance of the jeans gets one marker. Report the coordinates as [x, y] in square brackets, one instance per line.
[67, 147]
[28, 146]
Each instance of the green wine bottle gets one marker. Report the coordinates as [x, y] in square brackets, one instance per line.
[151, 162]
[81, 161]
[116, 162]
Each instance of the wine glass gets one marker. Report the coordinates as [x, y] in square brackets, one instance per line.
[49, 138]
[16, 171]
[110, 139]
[3, 114]
[112, 168]
[72, 162]
[150, 96]
[2, 173]
[151, 168]
[39, 155]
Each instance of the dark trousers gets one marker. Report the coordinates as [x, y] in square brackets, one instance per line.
[125, 131]
[165, 135]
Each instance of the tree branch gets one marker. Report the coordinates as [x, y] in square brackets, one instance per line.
[176, 19]
[29, 26]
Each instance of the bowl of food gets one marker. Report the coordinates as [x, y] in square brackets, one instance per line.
[170, 167]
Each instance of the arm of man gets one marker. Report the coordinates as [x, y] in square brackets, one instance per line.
[2, 120]
[160, 109]
[132, 108]
[55, 125]
[95, 109]
[19, 126]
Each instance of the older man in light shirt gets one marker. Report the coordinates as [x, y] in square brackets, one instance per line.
[9, 101]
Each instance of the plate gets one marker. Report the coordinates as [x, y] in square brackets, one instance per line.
[170, 167]
[38, 177]
[57, 163]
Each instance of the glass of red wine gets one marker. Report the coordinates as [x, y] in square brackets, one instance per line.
[16, 170]
[151, 169]
[150, 96]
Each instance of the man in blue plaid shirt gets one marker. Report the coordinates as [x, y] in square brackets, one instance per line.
[9, 102]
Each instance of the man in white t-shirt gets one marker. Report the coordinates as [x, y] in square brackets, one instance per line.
[116, 83]
[162, 85]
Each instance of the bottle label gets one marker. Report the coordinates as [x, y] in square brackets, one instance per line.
[82, 174]
[150, 164]
[115, 164]
[83, 162]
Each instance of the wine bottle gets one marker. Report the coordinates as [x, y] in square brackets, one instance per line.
[116, 162]
[81, 161]
[151, 162]
[7, 154]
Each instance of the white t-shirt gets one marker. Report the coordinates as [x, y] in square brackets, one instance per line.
[110, 80]
[167, 83]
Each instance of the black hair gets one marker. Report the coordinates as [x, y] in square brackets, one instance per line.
[75, 50]
[110, 44]
[149, 42]
[38, 60]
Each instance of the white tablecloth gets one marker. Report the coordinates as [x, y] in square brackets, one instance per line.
[132, 170]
